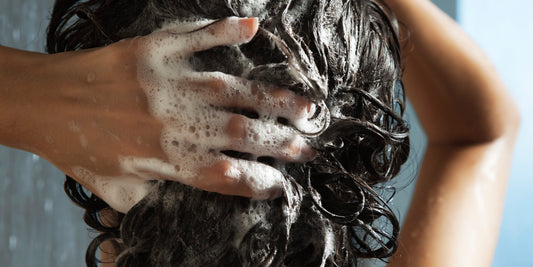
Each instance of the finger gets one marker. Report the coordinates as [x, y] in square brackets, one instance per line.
[222, 130]
[213, 172]
[228, 31]
[228, 91]
[241, 177]
[261, 138]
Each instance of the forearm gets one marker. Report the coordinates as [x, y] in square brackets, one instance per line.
[455, 89]
[18, 79]
[471, 123]
[456, 210]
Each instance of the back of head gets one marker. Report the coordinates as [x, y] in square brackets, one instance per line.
[342, 53]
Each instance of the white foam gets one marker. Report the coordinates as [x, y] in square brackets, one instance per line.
[121, 193]
[254, 8]
[83, 141]
[73, 126]
[245, 221]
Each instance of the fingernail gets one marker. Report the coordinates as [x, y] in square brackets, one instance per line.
[251, 25]
[311, 109]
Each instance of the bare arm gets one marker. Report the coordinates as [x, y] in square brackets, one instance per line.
[15, 77]
[471, 123]
[116, 116]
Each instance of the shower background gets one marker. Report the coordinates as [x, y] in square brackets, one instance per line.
[40, 226]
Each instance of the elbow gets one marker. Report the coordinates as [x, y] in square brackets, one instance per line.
[511, 126]
[506, 124]
[497, 118]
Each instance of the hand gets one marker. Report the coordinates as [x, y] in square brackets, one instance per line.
[136, 111]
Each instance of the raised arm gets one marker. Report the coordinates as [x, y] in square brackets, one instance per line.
[135, 110]
[471, 124]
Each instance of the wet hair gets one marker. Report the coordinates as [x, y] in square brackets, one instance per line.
[342, 53]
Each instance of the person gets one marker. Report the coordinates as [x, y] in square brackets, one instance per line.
[328, 212]
[471, 125]
[91, 129]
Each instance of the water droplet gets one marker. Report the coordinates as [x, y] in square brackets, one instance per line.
[16, 35]
[49, 139]
[48, 205]
[83, 141]
[73, 126]
[12, 243]
[91, 77]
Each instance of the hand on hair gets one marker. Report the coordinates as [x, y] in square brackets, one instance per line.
[197, 122]
[114, 117]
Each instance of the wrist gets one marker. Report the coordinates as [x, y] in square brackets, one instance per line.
[18, 76]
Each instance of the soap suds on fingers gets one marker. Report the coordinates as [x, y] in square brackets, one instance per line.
[197, 125]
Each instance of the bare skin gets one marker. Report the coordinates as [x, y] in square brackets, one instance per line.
[86, 110]
[471, 123]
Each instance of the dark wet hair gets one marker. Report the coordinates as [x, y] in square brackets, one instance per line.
[347, 55]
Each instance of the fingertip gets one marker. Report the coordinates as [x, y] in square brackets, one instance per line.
[311, 109]
[250, 26]
[300, 151]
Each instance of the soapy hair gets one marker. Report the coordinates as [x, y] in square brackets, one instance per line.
[343, 53]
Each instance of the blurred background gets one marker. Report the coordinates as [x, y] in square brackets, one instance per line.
[40, 226]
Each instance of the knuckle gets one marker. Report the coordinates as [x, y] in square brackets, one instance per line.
[228, 175]
[223, 167]
[281, 94]
[218, 85]
[211, 30]
[236, 127]
[223, 23]
[216, 27]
